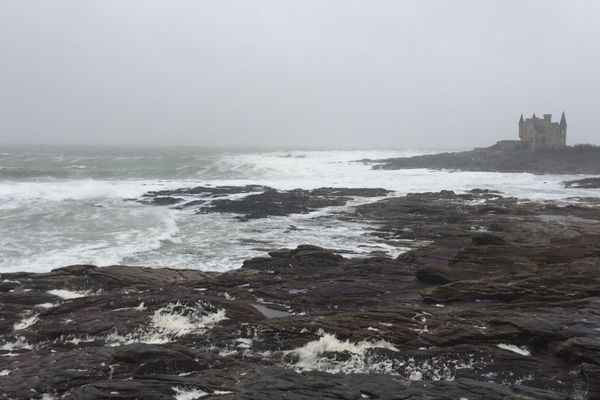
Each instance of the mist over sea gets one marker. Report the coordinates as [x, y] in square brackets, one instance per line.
[76, 205]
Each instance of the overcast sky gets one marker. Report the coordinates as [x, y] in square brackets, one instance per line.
[422, 73]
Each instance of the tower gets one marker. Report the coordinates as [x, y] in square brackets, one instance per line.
[521, 127]
[563, 129]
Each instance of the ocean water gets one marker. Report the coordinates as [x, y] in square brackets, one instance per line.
[72, 205]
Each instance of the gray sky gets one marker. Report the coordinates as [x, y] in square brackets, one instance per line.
[372, 73]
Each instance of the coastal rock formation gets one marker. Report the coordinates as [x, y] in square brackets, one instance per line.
[258, 201]
[586, 183]
[497, 299]
[567, 160]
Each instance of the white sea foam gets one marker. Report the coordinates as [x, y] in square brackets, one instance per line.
[20, 192]
[361, 357]
[190, 393]
[141, 307]
[243, 343]
[524, 351]
[5, 372]
[92, 235]
[77, 340]
[26, 322]
[309, 356]
[46, 305]
[172, 321]
[183, 393]
[312, 169]
[20, 343]
[69, 294]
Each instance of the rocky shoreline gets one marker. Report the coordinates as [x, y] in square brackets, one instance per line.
[257, 201]
[570, 160]
[498, 298]
[586, 183]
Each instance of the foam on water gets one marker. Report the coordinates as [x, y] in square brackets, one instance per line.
[67, 294]
[46, 305]
[170, 322]
[71, 206]
[182, 393]
[377, 356]
[26, 322]
[313, 169]
[524, 351]
[20, 343]
[310, 355]
[79, 232]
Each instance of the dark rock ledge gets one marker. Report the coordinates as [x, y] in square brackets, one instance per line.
[257, 201]
[586, 183]
[578, 159]
[501, 304]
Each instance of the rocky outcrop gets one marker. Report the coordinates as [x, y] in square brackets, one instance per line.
[569, 160]
[497, 299]
[258, 201]
[586, 183]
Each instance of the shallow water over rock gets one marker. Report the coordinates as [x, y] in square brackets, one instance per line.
[271, 312]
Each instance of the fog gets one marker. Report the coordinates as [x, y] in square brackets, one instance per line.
[305, 73]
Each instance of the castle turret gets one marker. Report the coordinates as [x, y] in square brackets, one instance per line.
[563, 129]
[521, 127]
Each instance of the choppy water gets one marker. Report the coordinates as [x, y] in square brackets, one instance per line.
[61, 206]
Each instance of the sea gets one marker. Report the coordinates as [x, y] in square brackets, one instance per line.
[80, 205]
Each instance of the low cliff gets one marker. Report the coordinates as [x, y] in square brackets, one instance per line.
[581, 159]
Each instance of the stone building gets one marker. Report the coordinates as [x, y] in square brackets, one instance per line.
[541, 133]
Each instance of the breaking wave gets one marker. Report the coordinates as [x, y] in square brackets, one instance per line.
[170, 322]
[69, 206]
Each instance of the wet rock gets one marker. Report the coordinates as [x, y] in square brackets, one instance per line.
[569, 160]
[210, 191]
[586, 183]
[581, 348]
[350, 192]
[482, 240]
[273, 203]
[591, 387]
[259, 201]
[465, 313]
[432, 275]
[166, 201]
[145, 359]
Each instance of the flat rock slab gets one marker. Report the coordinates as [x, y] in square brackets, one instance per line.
[255, 201]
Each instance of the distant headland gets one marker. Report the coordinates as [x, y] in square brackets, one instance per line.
[541, 149]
